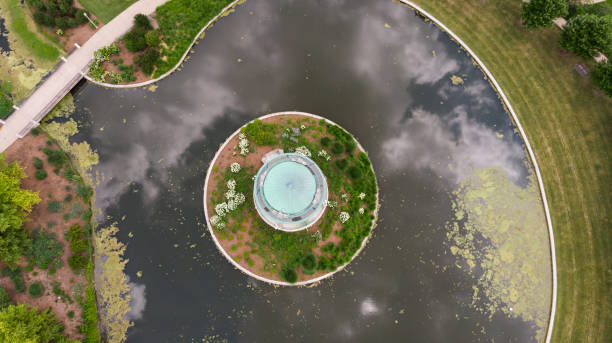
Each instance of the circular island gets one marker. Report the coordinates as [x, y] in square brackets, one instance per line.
[290, 198]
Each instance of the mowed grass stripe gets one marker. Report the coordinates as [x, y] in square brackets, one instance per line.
[569, 127]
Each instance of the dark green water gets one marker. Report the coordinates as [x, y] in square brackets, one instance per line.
[371, 66]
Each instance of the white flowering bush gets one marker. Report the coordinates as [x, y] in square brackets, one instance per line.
[302, 150]
[324, 154]
[243, 144]
[344, 216]
[332, 204]
[362, 195]
[233, 201]
[235, 167]
[303, 127]
[317, 236]
[344, 196]
[361, 210]
[221, 209]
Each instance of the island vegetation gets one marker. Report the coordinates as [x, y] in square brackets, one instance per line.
[293, 256]
[46, 248]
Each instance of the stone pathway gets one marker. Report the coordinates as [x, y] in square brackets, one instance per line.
[60, 82]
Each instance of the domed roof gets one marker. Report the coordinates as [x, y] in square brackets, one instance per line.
[290, 192]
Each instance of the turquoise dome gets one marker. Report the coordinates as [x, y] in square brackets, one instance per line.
[290, 192]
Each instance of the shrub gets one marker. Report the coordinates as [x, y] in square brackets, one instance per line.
[309, 264]
[15, 275]
[5, 300]
[586, 34]
[147, 60]
[61, 22]
[44, 249]
[325, 142]
[71, 314]
[540, 13]
[355, 172]
[602, 77]
[55, 157]
[135, 39]
[83, 191]
[42, 18]
[38, 163]
[141, 21]
[55, 206]
[152, 38]
[79, 16]
[36, 289]
[261, 133]
[77, 262]
[76, 209]
[350, 145]
[337, 148]
[40, 174]
[342, 164]
[78, 245]
[289, 274]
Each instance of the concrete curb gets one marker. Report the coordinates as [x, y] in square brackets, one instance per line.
[527, 145]
[179, 63]
[248, 272]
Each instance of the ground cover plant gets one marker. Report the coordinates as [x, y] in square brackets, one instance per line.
[179, 22]
[330, 243]
[570, 138]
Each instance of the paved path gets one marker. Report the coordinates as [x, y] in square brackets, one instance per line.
[60, 82]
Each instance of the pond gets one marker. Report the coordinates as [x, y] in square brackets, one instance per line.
[461, 248]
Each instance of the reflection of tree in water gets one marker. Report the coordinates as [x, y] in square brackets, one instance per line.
[500, 235]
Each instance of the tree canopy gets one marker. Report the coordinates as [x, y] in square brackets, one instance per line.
[586, 34]
[15, 204]
[540, 13]
[602, 77]
[22, 324]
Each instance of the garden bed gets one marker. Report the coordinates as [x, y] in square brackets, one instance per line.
[64, 210]
[308, 255]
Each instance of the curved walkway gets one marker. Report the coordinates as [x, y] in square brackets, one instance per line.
[506, 102]
[74, 68]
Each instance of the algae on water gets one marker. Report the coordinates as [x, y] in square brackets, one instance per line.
[499, 233]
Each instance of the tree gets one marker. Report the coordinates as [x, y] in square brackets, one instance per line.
[540, 13]
[22, 324]
[586, 34]
[15, 204]
[147, 60]
[135, 39]
[602, 77]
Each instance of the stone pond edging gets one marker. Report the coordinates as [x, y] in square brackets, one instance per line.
[506, 103]
[248, 272]
[222, 13]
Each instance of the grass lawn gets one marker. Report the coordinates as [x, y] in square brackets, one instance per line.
[29, 39]
[105, 10]
[569, 126]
